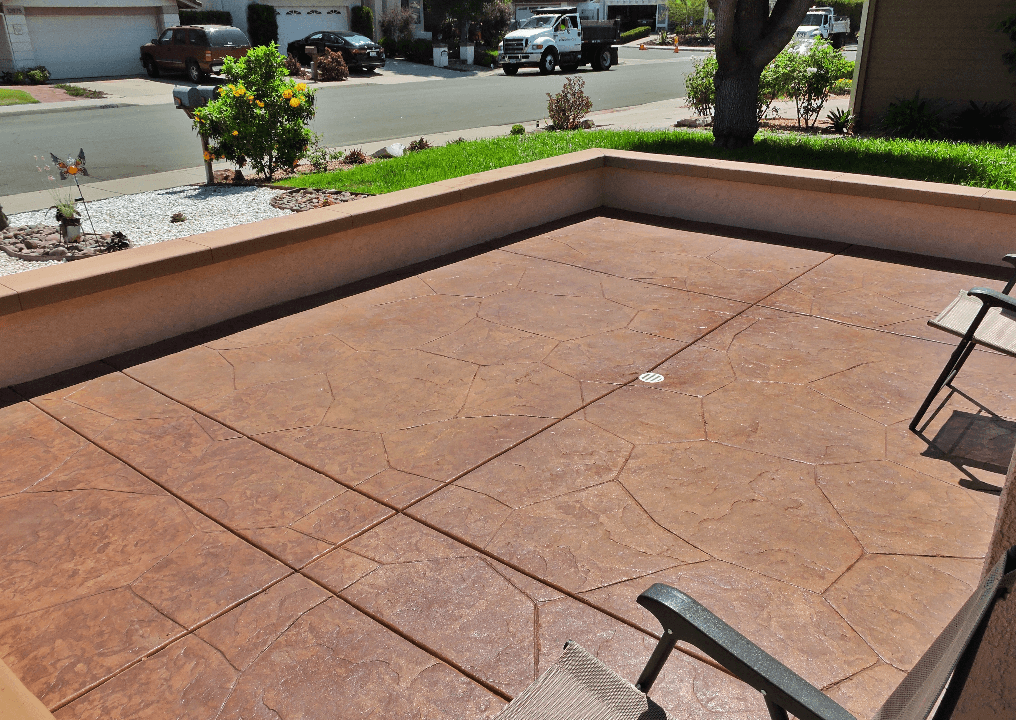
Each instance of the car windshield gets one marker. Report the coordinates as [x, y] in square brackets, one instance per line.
[354, 39]
[538, 21]
[227, 37]
[812, 20]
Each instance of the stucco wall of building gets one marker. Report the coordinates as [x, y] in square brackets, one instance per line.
[945, 49]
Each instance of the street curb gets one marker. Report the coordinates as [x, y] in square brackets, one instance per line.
[17, 110]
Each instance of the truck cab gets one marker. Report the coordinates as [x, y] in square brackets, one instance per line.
[822, 23]
[556, 37]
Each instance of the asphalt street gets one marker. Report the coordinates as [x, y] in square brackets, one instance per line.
[131, 141]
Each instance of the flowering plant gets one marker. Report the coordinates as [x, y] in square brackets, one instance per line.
[260, 117]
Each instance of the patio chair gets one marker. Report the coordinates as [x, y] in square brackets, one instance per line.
[580, 687]
[980, 317]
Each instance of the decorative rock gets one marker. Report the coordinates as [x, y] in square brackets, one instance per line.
[57, 252]
[43, 243]
[390, 151]
[300, 199]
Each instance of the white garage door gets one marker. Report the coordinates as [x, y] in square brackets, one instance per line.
[82, 46]
[296, 23]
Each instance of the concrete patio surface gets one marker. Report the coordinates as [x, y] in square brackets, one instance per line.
[399, 499]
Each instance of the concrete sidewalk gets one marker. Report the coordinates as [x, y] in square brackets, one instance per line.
[660, 115]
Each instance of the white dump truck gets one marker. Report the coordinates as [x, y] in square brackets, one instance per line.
[822, 22]
[557, 37]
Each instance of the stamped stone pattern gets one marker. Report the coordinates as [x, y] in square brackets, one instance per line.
[402, 498]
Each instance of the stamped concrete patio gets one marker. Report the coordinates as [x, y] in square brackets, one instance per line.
[399, 500]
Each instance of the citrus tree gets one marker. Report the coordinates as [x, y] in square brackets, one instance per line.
[260, 117]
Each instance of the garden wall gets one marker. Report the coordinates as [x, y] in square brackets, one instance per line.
[62, 316]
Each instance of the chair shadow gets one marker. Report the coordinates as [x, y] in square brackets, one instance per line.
[981, 441]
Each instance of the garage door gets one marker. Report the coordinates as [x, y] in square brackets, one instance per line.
[296, 23]
[81, 45]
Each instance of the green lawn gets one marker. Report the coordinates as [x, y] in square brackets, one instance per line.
[988, 166]
[15, 97]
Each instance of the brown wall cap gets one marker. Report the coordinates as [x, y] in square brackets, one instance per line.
[55, 283]
[9, 301]
[16, 702]
[272, 233]
[1000, 201]
[913, 191]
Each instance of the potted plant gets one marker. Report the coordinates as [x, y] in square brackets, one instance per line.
[70, 222]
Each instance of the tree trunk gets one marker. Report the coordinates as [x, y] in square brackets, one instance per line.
[735, 118]
[989, 692]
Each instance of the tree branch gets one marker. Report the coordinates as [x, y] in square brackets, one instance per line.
[780, 28]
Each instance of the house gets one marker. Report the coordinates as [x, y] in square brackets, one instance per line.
[82, 38]
[948, 51]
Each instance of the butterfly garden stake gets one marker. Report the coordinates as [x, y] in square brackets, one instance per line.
[74, 167]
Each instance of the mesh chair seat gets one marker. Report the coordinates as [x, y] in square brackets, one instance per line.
[997, 331]
[580, 687]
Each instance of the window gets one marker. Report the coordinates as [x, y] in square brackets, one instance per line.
[197, 37]
[227, 37]
[166, 37]
[315, 37]
[180, 37]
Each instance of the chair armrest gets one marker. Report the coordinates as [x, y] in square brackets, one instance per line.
[1010, 258]
[690, 621]
[993, 298]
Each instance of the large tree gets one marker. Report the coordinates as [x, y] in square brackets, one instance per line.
[748, 37]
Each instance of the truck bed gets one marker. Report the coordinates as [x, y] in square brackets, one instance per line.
[601, 30]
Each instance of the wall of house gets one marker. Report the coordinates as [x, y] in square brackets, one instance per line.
[945, 49]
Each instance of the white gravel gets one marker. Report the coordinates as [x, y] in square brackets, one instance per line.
[144, 218]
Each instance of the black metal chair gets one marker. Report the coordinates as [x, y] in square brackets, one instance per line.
[580, 687]
[980, 317]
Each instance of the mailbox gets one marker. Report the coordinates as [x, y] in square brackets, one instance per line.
[190, 99]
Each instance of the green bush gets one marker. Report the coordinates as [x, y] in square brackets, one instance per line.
[262, 27]
[812, 79]
[636, 33]
[700, 85]
[205, 17]
[37, 75]
[775, 81]
[914, 118]
[398, 23]
[842, 86]
[260, 117]
[362, 21]
[484, 57]
[418, 50]
[517, 130]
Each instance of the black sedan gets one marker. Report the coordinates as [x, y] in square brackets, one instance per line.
[359, 52]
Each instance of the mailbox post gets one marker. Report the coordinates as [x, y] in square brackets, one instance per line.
[190, 99]
[312, 51]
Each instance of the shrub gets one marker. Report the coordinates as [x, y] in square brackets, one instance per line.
[916, 118]
[812, 77]
[362, 20]
[293, 66]
[484, 57]
[568, 107]
[317, 155]
[418, 145]
[331, 66]
[775, 81]
[840, 120]
[262, 27]
[842, 86]
[205, 17]
[981, 122]
[636, 33]
[355, 157]
[495, 19]
[260, 117]
[38, 75]
[700, 85]
[397, 23]
[518, 130]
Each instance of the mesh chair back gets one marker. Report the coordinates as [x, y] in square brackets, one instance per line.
[580, 687]
[917, 694]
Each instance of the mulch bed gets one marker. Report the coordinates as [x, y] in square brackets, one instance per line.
[234, 177]
[300, 199]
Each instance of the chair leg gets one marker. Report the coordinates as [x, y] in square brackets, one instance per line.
[775, 711]
[952, 367]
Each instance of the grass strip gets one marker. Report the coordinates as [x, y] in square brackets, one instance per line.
[987, 166]
[16, 97]
[75, 91]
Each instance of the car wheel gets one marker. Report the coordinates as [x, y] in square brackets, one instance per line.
[548, 62]
[151, 67]
[602, 60]
[194, 73]
[510, 69]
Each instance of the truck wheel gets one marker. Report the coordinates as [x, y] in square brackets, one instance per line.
[837, 41]
[194, 73]
[547, 62]
[602, 60]
[510, 69]
[151, 67]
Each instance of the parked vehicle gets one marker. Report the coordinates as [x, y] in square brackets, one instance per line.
[556, 37]
[197, 50]
[821, 22]
[359, 52]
